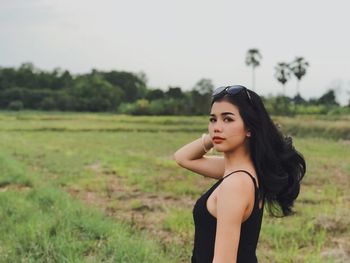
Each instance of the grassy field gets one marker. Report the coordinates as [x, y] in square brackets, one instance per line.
[104, 188]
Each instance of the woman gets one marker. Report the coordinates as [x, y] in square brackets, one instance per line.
[258, 165]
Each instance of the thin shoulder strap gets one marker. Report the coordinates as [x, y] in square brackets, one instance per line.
[244, 172]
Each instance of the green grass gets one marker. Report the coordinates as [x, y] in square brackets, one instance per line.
[331, 127]
[41, 223]
[104, 188]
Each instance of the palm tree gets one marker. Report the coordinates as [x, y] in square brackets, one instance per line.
[253, 58]
[282, 74]
[298, 67]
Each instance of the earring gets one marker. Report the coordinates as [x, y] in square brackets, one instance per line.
[248, 134]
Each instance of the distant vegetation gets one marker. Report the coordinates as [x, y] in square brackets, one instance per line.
[28, 87]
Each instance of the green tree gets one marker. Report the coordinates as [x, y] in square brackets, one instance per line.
[27, 76]
[174, 92]
[199, 104]
[201, 96]
[94, 93]
[328, 98]
[60, 79]
[204, 86]
[282, 74]
[298, 99]
[298, 67]
[7, 78]
[48, 103]
[133, 86]
[64, 101]
[253, 59]
[154, 94]
[280, 106]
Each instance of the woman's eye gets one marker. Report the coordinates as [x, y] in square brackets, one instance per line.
[225, 120]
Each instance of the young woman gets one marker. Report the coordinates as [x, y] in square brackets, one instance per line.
[258, 165]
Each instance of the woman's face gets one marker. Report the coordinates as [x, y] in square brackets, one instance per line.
[226, 122]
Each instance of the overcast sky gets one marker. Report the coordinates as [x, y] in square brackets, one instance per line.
[178, 42]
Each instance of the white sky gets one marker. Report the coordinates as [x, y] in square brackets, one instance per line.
[179, 42]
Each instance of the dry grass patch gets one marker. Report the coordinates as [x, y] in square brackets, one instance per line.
[143, 211]
[15, 187]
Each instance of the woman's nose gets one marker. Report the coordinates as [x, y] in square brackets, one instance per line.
[217, 127]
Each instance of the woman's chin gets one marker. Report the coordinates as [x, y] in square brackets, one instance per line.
[217, 148]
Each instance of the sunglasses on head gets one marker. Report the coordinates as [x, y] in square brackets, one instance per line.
[231, 90]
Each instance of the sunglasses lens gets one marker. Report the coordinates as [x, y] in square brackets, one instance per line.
[218, 90]
[233, 90]
[229, 89]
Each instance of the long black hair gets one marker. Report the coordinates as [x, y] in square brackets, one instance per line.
[279, 166]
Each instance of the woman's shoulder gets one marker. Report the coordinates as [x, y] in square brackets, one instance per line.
[234, 195]
[242, 177]
[237, 184]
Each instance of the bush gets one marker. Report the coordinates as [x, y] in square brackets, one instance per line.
[155, 107]
[15, 105]
[64, 101]
[125, 108]
[311, 109]
[48, 104]
[339, 111]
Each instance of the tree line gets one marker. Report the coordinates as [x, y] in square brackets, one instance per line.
[28, 87]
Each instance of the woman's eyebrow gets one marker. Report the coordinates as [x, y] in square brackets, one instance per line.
[224, 113]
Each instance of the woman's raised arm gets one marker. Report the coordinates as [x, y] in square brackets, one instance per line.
[192, 157]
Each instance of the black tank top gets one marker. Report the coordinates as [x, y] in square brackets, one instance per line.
[205, 229]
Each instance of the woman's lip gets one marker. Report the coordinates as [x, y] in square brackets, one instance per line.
[217, 140]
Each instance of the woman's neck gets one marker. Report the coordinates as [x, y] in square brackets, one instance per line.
[238, 159]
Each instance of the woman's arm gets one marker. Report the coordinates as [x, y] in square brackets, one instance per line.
[191, 156]
[233, 198]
